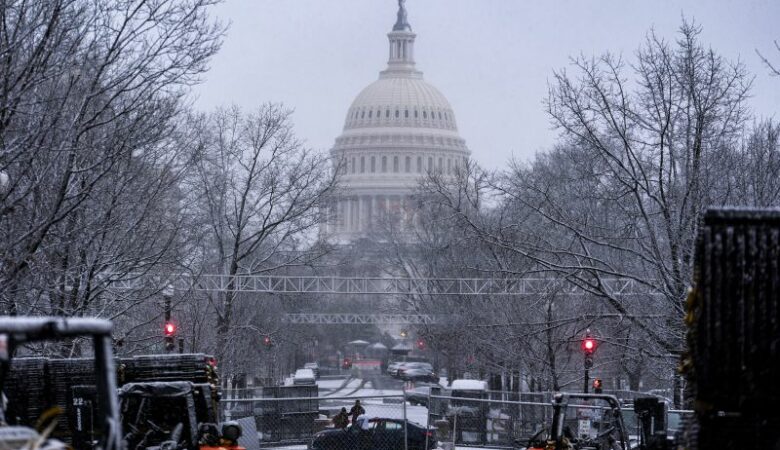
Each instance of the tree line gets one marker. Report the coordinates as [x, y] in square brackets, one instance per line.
[645, 144]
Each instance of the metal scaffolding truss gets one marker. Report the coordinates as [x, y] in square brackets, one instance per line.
[286, 284]
[361, 319]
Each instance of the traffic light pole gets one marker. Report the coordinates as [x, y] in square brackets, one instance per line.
[587, 379]
[588, 347]
[168, 339]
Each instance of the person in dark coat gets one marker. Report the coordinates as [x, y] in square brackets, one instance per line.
[341, 420]
[357, 410]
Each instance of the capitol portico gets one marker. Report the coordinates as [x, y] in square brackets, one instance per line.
[397, 129]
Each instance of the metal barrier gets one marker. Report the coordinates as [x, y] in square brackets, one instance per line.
[503, 420]
[313, 421]
[511, 419]
[486, 422]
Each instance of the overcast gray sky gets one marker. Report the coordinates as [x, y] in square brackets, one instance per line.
[491, 58]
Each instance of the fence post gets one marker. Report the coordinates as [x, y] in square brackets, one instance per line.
[406, 424]
[427, 418]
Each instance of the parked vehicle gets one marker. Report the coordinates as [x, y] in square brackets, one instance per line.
[304, 376]
[404, 368]
[315, 367]
[384, 434]
[392, 368]
[419, 374]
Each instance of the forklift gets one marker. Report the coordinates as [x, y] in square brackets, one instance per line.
[18, 331]
[156, 414]
[598, 422]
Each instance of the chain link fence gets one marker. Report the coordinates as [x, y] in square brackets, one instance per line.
[300, 417]
[331, 423]
[497, 422]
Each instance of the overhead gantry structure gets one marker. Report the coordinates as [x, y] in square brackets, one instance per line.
[287, 284]
[361, 319]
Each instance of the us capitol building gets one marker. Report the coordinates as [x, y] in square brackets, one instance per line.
[398, 129]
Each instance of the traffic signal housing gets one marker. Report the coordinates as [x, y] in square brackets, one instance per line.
[420, 344]
[169, 331]
[267, 342]
[589, 345]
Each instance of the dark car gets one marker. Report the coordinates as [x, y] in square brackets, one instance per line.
[419, 374]
[416, 371]
[384, 434]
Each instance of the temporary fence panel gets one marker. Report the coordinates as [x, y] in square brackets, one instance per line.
[284, 421]
[489, 422]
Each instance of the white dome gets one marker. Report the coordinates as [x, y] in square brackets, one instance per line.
[397, 130]
[397, 100]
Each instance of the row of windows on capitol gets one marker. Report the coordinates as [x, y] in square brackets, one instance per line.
[362, 114]
[352, 166]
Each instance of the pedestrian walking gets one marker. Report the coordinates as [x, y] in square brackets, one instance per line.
[341, 420]
[357, 410]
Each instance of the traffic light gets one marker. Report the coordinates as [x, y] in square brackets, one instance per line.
[589, 345]
[267, 341]
[169, 330]
[597, 385]
[347, 364]
[420, 344]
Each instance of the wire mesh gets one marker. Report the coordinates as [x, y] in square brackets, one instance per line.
[335, 423]
[503, 420]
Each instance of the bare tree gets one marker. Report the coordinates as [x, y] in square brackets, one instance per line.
[644, 148]
[90, 99]
[259, 193]
[773, 67]
[642, 162]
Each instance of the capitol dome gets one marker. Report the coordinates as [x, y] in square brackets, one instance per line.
[401, 101]
[398, 129]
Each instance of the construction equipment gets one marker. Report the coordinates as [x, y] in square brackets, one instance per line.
[596, 418]
[652, 416]
[166, 414]
[165, 402]
[733, 320]
[16, 332]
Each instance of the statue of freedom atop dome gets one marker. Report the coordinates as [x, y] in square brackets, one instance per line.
[402, 24]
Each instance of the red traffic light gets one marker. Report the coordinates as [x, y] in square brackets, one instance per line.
[347, 364]
[589, 345]
[597, 386]
[267, 341]
[420, 344]
[169, 329]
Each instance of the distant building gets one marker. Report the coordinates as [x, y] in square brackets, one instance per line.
[397, 129]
